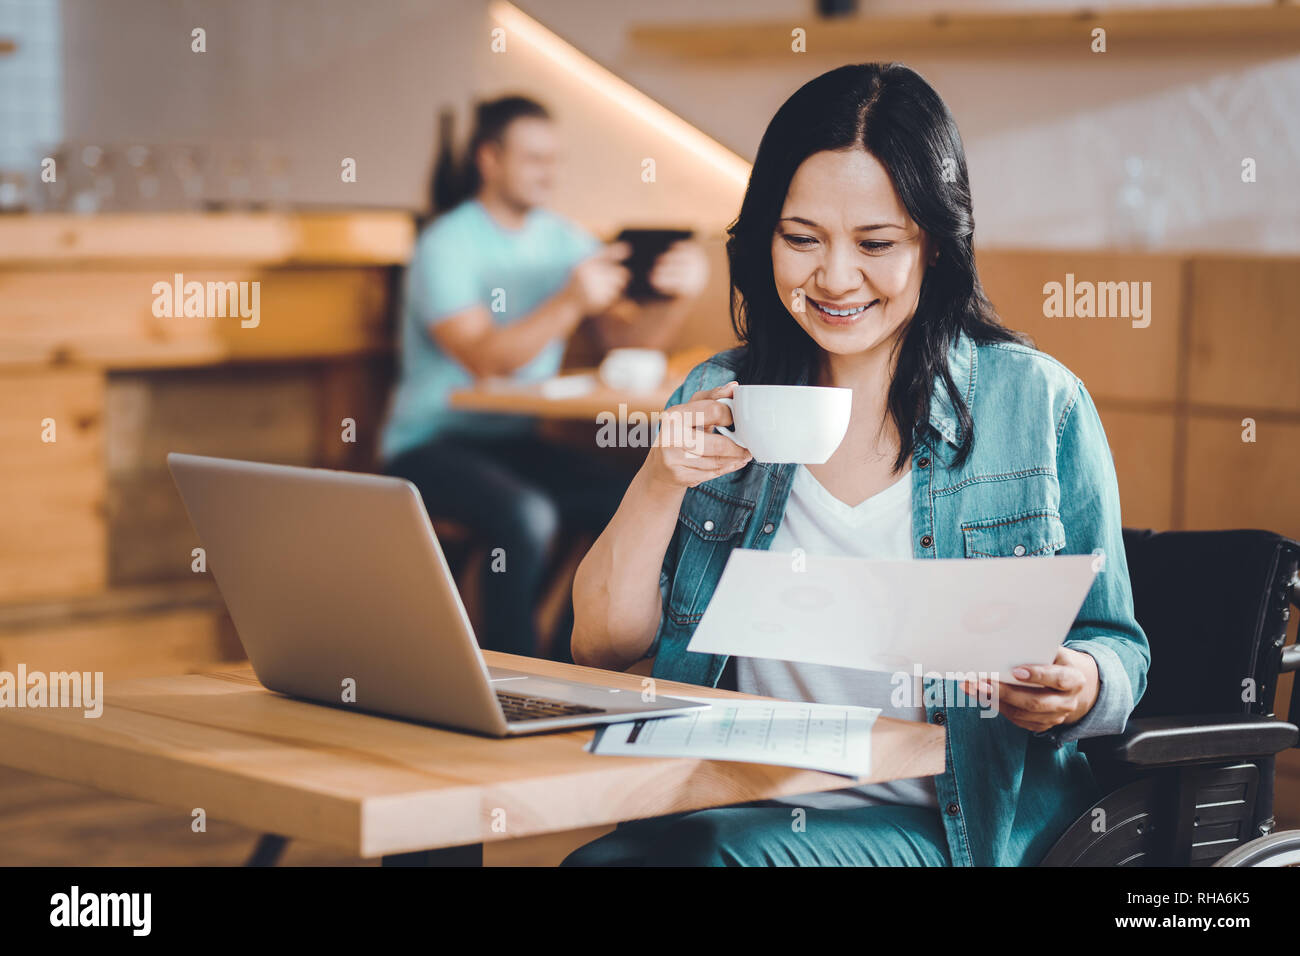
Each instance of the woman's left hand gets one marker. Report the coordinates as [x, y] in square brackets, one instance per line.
[1070, 685]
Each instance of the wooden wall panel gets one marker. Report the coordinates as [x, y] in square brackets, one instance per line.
[260, 413]
[289, 415]
[356, 388]
[1112, 357]
[1234, 484]
[1244, 333]
[1142, 444]
[51, 494]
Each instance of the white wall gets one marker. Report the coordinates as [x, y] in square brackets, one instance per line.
[328, 78]
[1046, 141]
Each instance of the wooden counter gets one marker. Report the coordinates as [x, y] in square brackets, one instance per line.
[86, 361]
[81, 290]
[57, 240]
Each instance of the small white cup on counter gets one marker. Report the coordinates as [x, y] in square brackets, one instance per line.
[634, 370]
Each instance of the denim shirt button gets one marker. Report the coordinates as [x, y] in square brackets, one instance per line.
[769, 528]
[926, 541]
[1018, 550]
[923, 463]
[708, 526]
[953, 809]
[939, 718]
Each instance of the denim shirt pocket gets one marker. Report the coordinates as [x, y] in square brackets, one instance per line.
[1021, 535]
[710, 525]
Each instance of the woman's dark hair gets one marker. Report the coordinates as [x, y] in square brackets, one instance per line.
[892, 113]
[455, 180]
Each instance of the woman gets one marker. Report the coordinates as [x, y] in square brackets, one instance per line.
[853, 262]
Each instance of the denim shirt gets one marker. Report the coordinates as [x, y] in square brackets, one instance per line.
[1039, 480]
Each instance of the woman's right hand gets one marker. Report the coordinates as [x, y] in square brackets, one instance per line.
[617, 604]
[687, 450]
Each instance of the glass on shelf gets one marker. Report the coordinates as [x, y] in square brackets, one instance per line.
[272, 179]
[1141, 205]
[13, 191]
[237, 177]
[187, 164]
[146, 188]
[93, 189]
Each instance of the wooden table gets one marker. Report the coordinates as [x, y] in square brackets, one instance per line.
[378, 787]
[529, 399]
[516, 398]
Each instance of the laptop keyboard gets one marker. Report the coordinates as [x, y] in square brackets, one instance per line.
[520, 707]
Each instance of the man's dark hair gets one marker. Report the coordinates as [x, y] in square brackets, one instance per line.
[456, 179]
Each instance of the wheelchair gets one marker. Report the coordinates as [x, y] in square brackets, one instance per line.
[1190, 780]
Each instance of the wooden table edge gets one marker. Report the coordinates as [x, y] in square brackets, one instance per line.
[364, 818]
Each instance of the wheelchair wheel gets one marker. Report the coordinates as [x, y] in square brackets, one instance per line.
[1276, 849]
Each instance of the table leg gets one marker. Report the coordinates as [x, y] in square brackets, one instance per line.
[270, 847]
[469, 855]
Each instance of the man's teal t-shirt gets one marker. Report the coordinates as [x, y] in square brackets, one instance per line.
[466, 258]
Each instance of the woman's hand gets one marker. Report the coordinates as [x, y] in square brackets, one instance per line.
[687, 451]
[681, 271]
[617, 604]
[1070, 688]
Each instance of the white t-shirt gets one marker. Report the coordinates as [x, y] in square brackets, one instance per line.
[821, 524]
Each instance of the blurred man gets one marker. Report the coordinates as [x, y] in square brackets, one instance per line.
[496, 287]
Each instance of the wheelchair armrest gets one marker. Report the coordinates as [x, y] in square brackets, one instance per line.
[1204, 738]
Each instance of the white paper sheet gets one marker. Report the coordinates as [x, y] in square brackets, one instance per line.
[825, 737]
[946, 616]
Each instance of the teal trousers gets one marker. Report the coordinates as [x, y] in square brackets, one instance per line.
[767, 835]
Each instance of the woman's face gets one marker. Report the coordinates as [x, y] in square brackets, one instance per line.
[846, 244]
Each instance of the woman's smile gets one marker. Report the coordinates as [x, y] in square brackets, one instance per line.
[840, 315]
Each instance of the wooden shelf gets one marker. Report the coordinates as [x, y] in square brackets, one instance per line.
[201, 594]
[1265, 27]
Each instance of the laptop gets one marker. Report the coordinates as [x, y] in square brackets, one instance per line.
[341, 595]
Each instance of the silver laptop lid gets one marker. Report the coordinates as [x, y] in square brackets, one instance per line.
[333, 577]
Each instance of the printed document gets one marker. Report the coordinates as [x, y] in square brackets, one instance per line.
[828, 737]
[946, 616]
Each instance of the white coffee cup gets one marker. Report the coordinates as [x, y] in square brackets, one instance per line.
[789, 423]
[633, 370]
